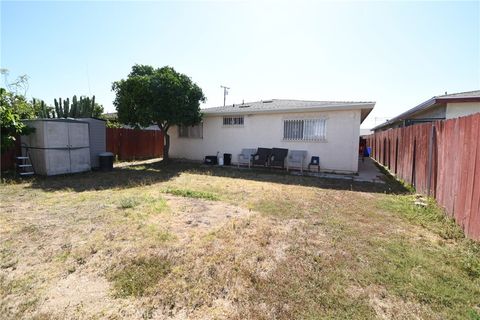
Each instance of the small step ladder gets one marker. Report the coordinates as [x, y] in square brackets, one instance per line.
[24, 166]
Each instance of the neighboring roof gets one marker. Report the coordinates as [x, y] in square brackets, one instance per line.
[281, 106]
[433, 102]
[467, 94]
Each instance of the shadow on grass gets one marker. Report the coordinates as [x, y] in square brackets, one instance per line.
[151, 173]
[120, 178]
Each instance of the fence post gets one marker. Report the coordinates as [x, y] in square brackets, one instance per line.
[430, 158]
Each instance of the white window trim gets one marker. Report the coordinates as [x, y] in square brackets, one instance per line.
[189, 137]
[325, 139]
[233, 125]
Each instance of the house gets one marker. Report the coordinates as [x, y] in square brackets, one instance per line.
[327, 129]
[443, 107]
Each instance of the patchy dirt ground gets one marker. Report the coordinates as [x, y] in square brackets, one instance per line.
[186, 242]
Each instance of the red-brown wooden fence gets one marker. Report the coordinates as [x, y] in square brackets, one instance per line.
[131, 144]
[8, 157]
[441, 159]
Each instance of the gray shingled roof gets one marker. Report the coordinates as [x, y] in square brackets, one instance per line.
[278, 105]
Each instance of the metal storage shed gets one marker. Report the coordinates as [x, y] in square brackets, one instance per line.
[98, 139]
[58, 146]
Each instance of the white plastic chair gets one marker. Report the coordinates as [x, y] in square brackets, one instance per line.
[245, 157]
[296, 158]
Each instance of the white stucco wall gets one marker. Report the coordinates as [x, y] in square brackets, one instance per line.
[338, 153]
[461, 109]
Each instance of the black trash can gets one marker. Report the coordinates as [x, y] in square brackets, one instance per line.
[105, 160]
[227, 159]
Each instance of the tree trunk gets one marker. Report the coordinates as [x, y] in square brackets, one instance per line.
[166, 146]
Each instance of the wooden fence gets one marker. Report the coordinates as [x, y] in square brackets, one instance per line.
[130, 144]
[8, 157]
[440, 159]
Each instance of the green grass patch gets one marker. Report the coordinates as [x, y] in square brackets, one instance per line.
[157, 204]
[137, 277]
[286, 209]
[188, 193]
[433, 275]
[431, 216]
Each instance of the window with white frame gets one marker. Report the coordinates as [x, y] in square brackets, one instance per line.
[195, 132]
[233, 121]
[305, 130]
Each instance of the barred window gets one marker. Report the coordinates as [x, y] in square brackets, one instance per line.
[195, 132]
[305, 130]
[233, 121]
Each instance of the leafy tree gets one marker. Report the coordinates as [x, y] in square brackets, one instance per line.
[111, 119]
[13, 108]
[159, 96]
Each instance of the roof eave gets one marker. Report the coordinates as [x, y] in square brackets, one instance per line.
[457, 99]
[237, 110]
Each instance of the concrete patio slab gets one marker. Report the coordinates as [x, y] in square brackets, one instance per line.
[367, 172]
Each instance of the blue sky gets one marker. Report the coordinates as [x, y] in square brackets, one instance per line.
[395, 53]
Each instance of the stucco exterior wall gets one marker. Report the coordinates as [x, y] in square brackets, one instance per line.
[438, 112]
[461, 109]
[339, 153]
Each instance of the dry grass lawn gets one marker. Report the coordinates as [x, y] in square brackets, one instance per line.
[183, 241]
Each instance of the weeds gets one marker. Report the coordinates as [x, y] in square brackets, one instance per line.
[128, 202]
[157, 204]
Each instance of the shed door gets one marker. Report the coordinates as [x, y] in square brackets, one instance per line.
[79, 159]
[78, 135]
[56, 134]
[79, 142]
[58, 161]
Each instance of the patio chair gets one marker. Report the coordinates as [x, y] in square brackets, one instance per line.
[314, 162]
[245, 157]
[261, 157]
[277, 158]
[296, 159]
